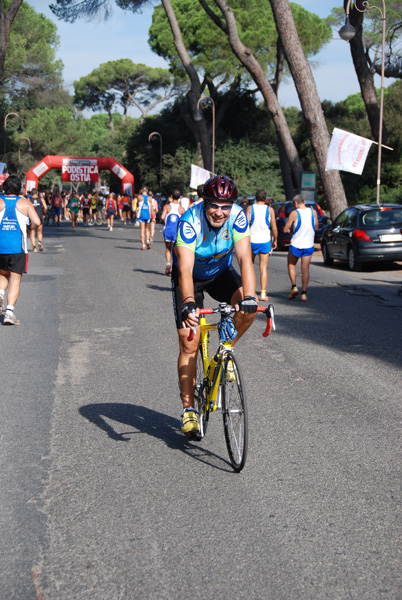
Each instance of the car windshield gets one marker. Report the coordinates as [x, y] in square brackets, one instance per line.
[383, 217]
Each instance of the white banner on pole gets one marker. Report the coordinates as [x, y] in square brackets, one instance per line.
[198, 176]
[347, 152]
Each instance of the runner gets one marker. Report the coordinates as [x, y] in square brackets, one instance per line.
[74, 207]
[208, 234]
[154, 211]
[126, 209]
[261, 218]
[305, 222]
[39, 204]
[94, 209]
[111, 207]
[144, 218]
[57, 205]
[86, 208]
[16, 212]
[170, 217]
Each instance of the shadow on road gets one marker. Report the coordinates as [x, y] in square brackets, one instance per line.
[151, 422]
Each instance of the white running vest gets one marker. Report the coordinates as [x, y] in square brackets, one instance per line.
[303, 236]
[260, 232]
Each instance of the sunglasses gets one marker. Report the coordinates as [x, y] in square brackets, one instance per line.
[223, 207]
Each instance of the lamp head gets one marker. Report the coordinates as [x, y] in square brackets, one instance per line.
[197, 115]
[20, 130]
[347, 32]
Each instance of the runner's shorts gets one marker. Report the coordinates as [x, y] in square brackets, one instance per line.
[299, 252]
[15, 263]
[264, 248]
[220, 288]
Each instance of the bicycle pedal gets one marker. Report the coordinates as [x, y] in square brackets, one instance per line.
[193, 437]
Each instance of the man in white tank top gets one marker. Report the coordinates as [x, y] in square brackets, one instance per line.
[305, 222]
[263, 235]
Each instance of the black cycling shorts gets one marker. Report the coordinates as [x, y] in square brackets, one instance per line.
[15, 263]
[220, 288]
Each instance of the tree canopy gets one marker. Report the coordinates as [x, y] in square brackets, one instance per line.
[211, 53]
[128, 84]
[31, 70]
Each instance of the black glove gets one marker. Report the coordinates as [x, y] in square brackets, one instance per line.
[187, 310]
[249, 304]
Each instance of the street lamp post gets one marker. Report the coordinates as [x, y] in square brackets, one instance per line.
[20, 130]
[153, 136]
[201, 105]
[347, 32]
[19, 149]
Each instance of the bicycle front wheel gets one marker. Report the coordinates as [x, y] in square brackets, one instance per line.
[200, 395]
[234, 411]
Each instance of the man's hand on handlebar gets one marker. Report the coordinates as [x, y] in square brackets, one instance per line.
[249, 304]
[189, 315]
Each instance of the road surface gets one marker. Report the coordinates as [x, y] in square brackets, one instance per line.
[102, 497]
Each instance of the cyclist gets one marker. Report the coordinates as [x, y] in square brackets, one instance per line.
[207, 235]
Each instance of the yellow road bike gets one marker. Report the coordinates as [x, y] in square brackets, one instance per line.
[219, 384]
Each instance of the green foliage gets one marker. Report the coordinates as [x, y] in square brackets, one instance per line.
[31, 69]
[209, 47]
[124, 82]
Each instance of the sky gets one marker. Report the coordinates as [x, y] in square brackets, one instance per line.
[85, 45]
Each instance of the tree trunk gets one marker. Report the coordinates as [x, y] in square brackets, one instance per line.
[194, 93]
[249, 61]
[364, 74]
[310, 103]
[6, 21]
[283, 161]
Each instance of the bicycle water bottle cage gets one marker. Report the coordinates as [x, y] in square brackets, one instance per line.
[227, 329]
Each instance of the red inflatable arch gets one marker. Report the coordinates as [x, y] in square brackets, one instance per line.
[80, 169]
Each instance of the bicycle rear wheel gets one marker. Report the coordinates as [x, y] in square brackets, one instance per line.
[234, 411]
[200, 396]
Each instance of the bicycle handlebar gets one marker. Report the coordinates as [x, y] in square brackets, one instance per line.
[269, 312]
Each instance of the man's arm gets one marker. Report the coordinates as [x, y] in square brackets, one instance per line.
[185, 259]
[315, 219]
[243, 255]
[274, 228]
[165, 211]
[292, 219]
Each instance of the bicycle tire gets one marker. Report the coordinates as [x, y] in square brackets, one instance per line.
[200, 396]
[234, 412]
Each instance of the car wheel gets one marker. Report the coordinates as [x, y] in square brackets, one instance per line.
[326, 257]
[353, 263]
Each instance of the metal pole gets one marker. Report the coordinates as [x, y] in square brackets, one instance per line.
[213, 136]
[383, 18]
[160, 167]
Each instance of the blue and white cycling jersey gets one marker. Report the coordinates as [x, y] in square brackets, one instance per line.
[213, 247]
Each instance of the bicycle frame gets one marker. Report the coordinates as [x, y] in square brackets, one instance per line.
[213, 380]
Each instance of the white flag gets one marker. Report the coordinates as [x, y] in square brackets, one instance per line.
[2, 167]
[198, 176]
[347, 152]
